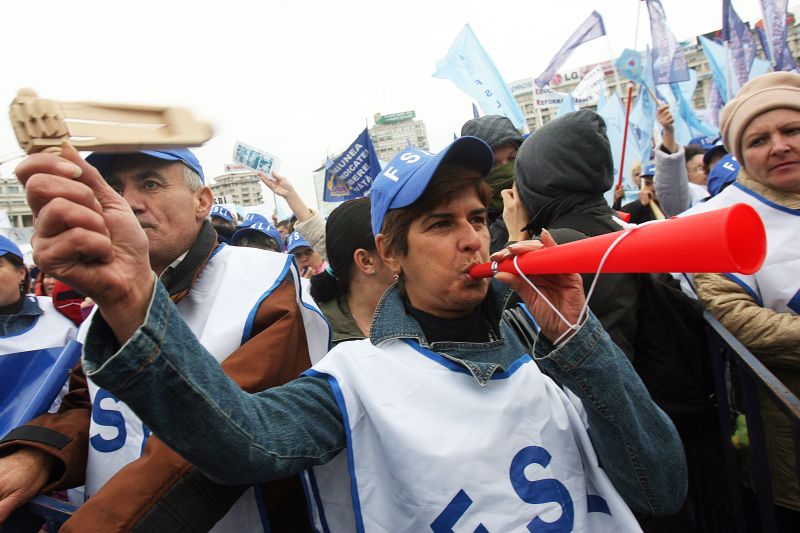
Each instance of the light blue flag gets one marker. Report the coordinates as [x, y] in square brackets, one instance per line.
[613, 113]
[740, 41]
[759, 67]
[469, 66]
[591, 29]
[720, 64]
[642, 122]
[567, 106]
[629, 65]
[684, 91]
[762, 38]
[669, 63]
[775, 24]
[682, 132]
[687, 125]
[714, 103]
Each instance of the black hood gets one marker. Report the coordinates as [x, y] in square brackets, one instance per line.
[567, 157]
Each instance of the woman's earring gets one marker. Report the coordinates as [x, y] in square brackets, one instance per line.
[396, 276]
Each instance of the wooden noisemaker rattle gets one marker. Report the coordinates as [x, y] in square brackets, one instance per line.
[44, 125]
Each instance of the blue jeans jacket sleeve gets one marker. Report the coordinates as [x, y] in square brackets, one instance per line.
[180, 392]
[636, 442]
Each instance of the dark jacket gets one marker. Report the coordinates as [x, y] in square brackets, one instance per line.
[639, 213]
[343, 327]
[615, 299]
[561, 173]
[498, 235]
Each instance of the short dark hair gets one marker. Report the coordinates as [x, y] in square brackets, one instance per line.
[448, 182]
[692, 150]
[255, 239]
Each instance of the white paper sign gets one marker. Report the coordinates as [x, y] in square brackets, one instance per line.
[258, 160]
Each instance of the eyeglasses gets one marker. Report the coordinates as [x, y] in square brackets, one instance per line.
[699, 168]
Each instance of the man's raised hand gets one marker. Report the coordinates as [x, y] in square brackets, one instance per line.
[86, 235]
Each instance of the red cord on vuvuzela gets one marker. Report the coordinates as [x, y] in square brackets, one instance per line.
[725, 240]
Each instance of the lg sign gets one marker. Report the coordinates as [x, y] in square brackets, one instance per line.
[567, 77]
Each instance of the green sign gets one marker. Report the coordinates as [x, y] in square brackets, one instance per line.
[395, 118]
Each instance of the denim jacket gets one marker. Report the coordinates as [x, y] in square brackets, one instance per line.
[11, 325]
[237, 438]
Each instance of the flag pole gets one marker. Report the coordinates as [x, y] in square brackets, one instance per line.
[625, 135]
[630, 96]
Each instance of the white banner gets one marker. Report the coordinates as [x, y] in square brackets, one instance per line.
[545, 97]
[588, 90]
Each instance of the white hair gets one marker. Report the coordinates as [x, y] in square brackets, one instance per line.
[193, 180]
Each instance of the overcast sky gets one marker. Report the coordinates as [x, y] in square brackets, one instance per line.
[301, 79]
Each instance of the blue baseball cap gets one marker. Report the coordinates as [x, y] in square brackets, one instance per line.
[407, 175]
[261, 227]
[649, 170]
[706, 143]
[7, 246]
[724, 172]
[716, 149]
[294, 241]
[221, 212]
[252, 218]
[102, 161]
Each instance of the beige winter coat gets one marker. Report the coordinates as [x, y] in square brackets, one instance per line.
[772, 337]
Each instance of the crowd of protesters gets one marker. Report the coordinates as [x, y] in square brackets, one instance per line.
[246, 374]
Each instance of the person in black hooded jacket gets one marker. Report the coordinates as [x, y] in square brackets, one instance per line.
[561, 173]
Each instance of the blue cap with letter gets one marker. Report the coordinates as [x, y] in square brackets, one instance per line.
[407, 175]
[723, 173]
[716, 149]
[103, 161]
[7, 246]
[294, 241]
[261, 227]
[706, 143]
[221, 212]
[649, 170]
[252, 218]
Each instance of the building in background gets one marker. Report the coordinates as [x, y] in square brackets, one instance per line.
[13, 203]
[392, 133]
[238, 187]
[538, 111]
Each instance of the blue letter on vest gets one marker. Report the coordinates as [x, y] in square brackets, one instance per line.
[452, 513]
[541, 490]
[107, 417]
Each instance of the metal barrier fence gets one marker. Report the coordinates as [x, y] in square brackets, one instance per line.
[29, 517]
[735, 368]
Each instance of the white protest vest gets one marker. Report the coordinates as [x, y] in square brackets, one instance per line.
[219, 309]
[40, 345]
[50, 330]
[429, 449]
[776, 285]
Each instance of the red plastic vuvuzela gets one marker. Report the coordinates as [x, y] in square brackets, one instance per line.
[724, 240]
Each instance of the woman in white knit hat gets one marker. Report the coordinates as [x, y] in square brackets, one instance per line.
[761, 127]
